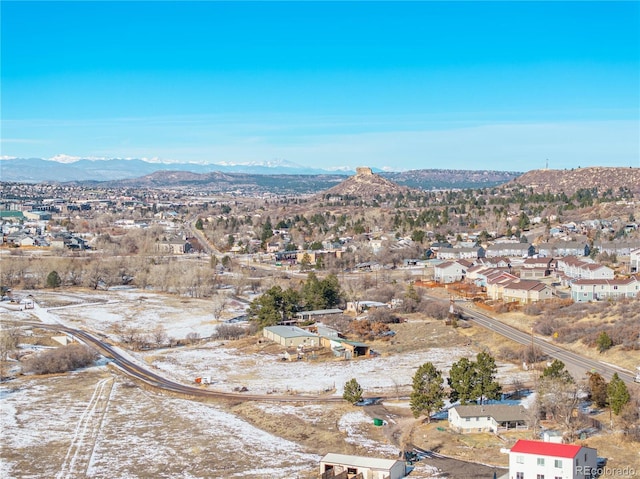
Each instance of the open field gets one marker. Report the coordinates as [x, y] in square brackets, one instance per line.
[104, 425]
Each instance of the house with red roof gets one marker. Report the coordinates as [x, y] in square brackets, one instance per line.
[549, 460]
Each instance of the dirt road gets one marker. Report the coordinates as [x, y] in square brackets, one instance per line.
[397, 429]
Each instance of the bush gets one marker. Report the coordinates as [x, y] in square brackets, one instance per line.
[435, 309]
[533, 309]
[508, 354]
[382, 315]
[229, 331]
[60, 360]
[546, 326]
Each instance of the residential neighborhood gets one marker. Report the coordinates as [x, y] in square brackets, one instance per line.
[309, 286]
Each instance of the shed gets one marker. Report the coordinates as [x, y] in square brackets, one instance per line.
[369, 467]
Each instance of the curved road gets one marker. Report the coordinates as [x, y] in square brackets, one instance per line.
[571, 359]
[156, 381]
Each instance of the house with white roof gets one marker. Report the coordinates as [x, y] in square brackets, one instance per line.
[331, 465]
[538, 459]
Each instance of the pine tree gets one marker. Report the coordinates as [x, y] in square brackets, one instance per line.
[618, 394]
[462, 381]
[53, 280]
[486, 386]
[352, 391]
[604, 342]
[557, 371]
[428, 393]
[598, 388]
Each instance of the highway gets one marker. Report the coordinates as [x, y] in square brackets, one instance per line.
[572, 360]
[156, 381]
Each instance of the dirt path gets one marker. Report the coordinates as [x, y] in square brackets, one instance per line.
[80, 451]
[398, 428]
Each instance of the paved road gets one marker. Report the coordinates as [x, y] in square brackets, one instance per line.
[572, 360]
[154, 380]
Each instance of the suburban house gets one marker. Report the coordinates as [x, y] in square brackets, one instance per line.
[618, 248]
[519, 250]
[526, 291]
[332, 465]
[574, 267]
[487, 418]
[496, 282]
[450, 271]
[478, 274]
[598, 289]
[634, 260]
[291, 336]
[538, 459]
[495, 262]
[564, 248]
[461, 253]
[536, 268]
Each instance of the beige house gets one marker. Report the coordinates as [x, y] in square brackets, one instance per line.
[496, 283]
[526, 291]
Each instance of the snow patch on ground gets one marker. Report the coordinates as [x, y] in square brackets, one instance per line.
[355, 425]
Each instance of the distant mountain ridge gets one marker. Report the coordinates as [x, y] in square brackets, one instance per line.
[37, 170]
[570, 181]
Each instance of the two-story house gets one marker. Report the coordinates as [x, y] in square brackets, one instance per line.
[548, 460]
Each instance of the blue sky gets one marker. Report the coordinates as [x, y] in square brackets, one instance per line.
[465, 85]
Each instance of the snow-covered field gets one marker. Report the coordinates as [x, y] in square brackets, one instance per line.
[95, 424]
[72, 426]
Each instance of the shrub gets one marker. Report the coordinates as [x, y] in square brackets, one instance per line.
[382, 315]
[60, 360]
[533, 309]
[546, 326]
[435, 309]
[229, 331]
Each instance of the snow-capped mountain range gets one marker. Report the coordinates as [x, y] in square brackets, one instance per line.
[61, 168]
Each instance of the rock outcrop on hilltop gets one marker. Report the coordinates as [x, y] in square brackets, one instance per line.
[570, 181]
[365, 184]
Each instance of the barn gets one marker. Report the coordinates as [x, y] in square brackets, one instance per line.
[291, 336]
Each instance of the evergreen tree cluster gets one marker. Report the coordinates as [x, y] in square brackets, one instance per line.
[277, 305]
